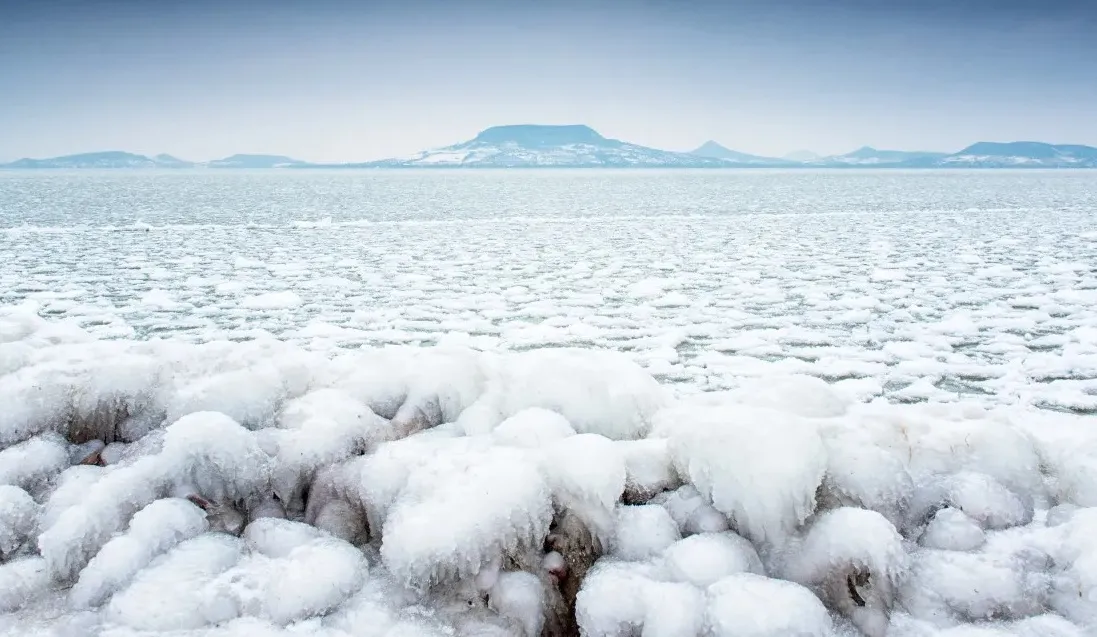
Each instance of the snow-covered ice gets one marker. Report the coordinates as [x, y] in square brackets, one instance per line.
[610, 424]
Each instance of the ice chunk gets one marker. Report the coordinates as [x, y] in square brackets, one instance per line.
[101, 510]
[949, 587]
[21, 581]
[321, 440]
[1045, 626]
[443, 382]
[673, 610]
[71, 487]
[704, 558]
[797, 394]
[691, 512]
[623, 598]
[951, 530]
[18, 519]
[380, 378]
[982, 499]
[1060, 514]
[328, 404]
[216, 456]
[862, 474]
[643, 532]
[153, 530]
[1068, 452]
[856, 560]
[466, 507]
[649, 469]
[983, 445]
[749, 605]
[534, 427]
[519, 596]
[171, 593]
[1074, 583]
[598, 392]
[759, 467]
[586, 473]
[30, 464]
[250, 396]
[310, 580]
[277, 538]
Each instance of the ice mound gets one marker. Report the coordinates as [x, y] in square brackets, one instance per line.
[622, 598]
[462, 510]
[18, 519]
[759, 467]
[532, 428]
[705, 558]
[950, 588]
[309, 580]
[801, 395]
[256, 488]
[30, 464]
[598, 392]
[855, 560]
[153, 530]
[170, 594]
[749, 605]
[643, 532]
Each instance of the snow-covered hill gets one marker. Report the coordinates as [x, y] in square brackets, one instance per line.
[255, 161]
[531, 145]
[717, 151]
[1023, 155]
[868, 156]
[106, 159]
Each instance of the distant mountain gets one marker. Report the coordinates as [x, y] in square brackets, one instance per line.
[532, 145]
[802, 156]
[167, 161]
[868, 156]
[578, 146]
[713, 150]
[255, 161]
[1022, 155]
[106, 159]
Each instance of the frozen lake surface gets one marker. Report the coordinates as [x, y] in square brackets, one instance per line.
[917, 286]
[200, 437]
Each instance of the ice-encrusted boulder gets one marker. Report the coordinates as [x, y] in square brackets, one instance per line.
[598, 392]
[761, 468]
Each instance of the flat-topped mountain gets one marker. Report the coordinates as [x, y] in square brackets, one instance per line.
[534, 145]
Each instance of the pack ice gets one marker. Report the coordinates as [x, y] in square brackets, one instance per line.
[253, 488]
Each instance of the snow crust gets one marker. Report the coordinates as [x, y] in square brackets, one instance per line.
[259, 488]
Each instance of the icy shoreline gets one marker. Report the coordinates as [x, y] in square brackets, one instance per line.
[259, 488]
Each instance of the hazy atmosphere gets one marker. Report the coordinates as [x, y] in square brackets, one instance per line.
[345, 81]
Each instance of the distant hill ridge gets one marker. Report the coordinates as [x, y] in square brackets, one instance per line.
[580, 146]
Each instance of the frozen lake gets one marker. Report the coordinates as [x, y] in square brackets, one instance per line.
[916, 286]
[199, 436]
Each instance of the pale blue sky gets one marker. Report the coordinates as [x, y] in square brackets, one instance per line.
[328, 80]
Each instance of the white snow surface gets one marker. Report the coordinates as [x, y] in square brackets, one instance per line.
[719, 425]
[737, 513]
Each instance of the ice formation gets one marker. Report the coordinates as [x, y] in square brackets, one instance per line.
[254, 488]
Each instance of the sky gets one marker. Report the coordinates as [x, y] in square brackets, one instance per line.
[343, 80]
